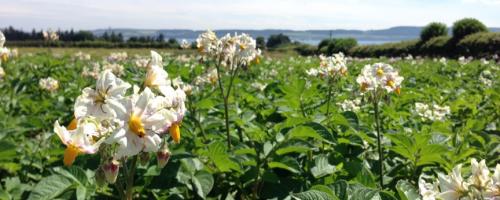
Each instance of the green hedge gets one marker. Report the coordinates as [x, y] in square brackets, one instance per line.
[92, 44]
[387, 49]
[437, 46]
[480, 44]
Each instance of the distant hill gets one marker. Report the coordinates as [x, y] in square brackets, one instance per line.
[393, 34]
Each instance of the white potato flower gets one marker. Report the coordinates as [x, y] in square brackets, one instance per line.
[143, 122]
[49, 84]
[185, 44]
[379, 76]
[333, 65]
[452, 186]
[207, 42]
[78, 141]
[480, 174]
[116, 68]
[494, 188]
[117, 56]
[156, 76]
[350, 105]
[428, 191]
[102, 101]
[2, 39]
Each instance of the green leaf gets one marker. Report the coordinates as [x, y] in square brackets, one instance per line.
[287, 164]
[75, 173]
[217, 152]
[325, 189]
[340, 189]
[322, 167]
[7, 150]
[50, 187]
[366, 178]
[322, 131]
[407, 191]
[203, 183]
[303, 132]
[313, 195]
[293, 147]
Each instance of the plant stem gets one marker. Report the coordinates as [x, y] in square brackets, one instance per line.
[130, 179]
[379, 145]
[328, 97]
[226, 114]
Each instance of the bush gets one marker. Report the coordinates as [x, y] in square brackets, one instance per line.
[389, 49]
[306, 50]
[331, 46]
[467, 26]
[480, 44]
[277, 40]
[261, 42]
[437, 46]
[434, 29]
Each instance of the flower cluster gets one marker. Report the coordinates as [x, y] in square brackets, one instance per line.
[350, 105]
[116, 68]
[2, 41]
[50, 35]
[432, 112]
[487, 78]
[479, 185]
[5, 53]
[259, 86]
[118, 126]
[332, 66]
[49, 84]
[209, 77]
[92, 71]
[81, 56]
[378, 77]
[117, 57]
[229, 51]
[186, 87]
[185, 44]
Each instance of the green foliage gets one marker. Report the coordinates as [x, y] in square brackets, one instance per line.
[277, 40]
[467, 26]
[289, 148]
[432, 30]
[387, 49]
[480, 44]
[336, 45]
[261, 42]
[437, 46]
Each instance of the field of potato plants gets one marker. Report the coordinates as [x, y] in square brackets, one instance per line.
[231, 122]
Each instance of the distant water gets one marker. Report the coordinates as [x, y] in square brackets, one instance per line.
[316, 42]
[360, 41]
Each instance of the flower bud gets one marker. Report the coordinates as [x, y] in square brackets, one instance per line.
[100, 177]
[111, 169]
[144, 158]
[162, 156]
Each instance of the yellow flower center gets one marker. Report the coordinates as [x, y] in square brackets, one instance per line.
[398, 90]
[380, 71]
[175, 132]
[70, 154]
[242, 46]
[72, 125]
[149, 80]
[364, 85]
[5, 57]
[136, 126]
[390, 83]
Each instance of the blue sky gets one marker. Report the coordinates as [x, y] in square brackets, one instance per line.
[243, 14]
